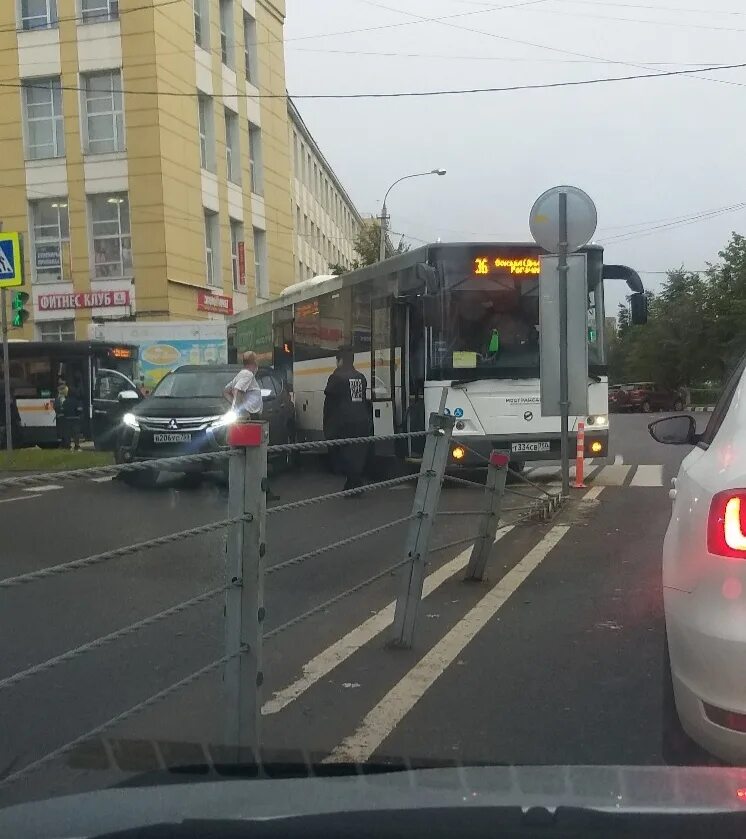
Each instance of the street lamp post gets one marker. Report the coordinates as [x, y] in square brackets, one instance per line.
[384, 214]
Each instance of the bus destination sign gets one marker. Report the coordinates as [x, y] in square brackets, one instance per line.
[501, 265]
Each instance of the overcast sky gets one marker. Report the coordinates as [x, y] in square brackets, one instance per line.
[649, 152]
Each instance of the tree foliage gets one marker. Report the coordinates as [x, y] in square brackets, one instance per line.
[368, 247]
[695, 332]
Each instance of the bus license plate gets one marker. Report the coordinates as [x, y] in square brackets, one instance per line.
[172, 438]
[517, 448]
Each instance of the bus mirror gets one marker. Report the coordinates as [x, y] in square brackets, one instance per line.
[128, 396]
[639, 309]
[427, 275]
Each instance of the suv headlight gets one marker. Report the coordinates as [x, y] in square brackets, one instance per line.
[228, 418]
[598, 421]
[130, 420]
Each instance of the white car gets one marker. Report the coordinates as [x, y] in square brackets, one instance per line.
[704, 582]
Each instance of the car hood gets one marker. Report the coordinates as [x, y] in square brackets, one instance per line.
[186, 407]
[606, 789]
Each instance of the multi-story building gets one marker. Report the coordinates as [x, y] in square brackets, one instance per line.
[144, 156]
[326, 220]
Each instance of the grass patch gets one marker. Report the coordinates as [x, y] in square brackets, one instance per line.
[52, 460]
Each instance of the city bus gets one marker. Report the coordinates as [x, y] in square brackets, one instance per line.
[98, 371]
[462, 316]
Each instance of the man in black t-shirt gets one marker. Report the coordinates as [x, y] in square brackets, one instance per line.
[347, 414]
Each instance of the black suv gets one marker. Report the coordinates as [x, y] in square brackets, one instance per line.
[187, 414]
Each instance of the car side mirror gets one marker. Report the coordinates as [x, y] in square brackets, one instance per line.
[128, 396]
[675, 431]
[267, 393]
[638, 304]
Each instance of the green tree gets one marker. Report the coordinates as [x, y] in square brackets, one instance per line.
[725, 308]
[368, 247]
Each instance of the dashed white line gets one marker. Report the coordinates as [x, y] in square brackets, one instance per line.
[103, 480]
[333, 656]
[612, 476]
[592, 493]
[392, 709]
[648, 476]
[44, 488]
[19, 498]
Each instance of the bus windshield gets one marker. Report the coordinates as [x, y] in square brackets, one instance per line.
[485, 320]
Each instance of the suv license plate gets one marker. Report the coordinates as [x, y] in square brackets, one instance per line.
[516, 448]
[172, 438]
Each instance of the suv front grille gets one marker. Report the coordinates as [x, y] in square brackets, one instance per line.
[176, 423]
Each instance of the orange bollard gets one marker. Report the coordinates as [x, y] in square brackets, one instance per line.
[579, 457]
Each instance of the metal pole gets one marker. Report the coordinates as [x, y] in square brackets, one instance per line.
[564, 394]
[384, 227]
[494, 492]
[244, 578]
[425, 505]
[6, 370]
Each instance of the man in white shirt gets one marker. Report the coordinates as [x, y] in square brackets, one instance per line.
[243, 392]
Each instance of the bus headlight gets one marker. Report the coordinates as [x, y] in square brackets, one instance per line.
[598, 421]
[458, 452]
[228, 418]
[130, 420]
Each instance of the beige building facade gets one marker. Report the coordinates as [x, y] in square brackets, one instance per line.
[326, 220]
[145, 158]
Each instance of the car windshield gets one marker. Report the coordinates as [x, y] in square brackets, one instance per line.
[191, 385]
[376, 402]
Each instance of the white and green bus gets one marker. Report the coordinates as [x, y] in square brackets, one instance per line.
[459, 316]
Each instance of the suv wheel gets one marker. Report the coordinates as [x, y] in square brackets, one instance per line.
[646, 407]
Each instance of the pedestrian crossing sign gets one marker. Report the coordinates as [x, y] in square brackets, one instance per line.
[11, 262]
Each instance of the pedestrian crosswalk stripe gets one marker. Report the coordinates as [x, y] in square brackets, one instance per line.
[612, 476]
[5, 266]
[648, 476]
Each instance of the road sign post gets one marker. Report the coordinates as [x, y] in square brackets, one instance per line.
[562, 221]
[11, 274]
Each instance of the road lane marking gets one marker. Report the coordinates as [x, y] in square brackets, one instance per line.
[648, 476]
[19, 498]
[103, 480]
[326, 661]
[612, 476]
[592, 493]
[44, 488]
[399, 701]
[618, 460]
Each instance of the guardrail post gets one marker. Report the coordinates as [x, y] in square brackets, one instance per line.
[494, 491]
[427, 494]
[244, 573]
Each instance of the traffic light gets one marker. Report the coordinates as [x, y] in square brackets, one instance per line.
[18, 305]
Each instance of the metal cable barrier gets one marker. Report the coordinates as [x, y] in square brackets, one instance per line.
[249, 562]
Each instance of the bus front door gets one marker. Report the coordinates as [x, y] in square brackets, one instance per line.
[386, 389]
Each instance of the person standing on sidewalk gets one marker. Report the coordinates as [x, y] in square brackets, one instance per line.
[347, 414]
[71, 411]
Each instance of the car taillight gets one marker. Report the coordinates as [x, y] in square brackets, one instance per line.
[726, 526]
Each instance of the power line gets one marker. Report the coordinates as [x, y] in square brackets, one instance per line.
[529, 43]
[412, 93]
[626, 237]
[646, 224]
[652, 8]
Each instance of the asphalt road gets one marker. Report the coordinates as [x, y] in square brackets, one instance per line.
[555, 659]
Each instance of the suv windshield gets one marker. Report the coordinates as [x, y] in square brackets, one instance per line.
[193, 384]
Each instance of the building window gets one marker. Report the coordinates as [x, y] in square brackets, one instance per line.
[104, 117]
[226, 32]
[298, 220]
[237, 262]
[56, 330]
[110, 228]
[299, 276]
[51, 229]
[202, 24]
[256, 166]
[206, 133]
[260, 263]
[96, 11]
[296, 156]
[45, 136]
[232, 147]
[38, 14]
[212, 248]
[308, 169]
[306, 228]
[250, 48]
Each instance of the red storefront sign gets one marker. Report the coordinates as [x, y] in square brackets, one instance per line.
[208, 302]
[82, 300]
[241, 265]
